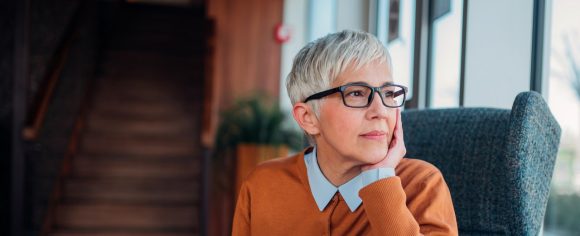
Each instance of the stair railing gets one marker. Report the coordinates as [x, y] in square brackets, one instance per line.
[37, 115]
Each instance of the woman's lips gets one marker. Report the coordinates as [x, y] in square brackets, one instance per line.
[374, 135]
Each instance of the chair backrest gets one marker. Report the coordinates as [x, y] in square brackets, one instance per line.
[497, 163]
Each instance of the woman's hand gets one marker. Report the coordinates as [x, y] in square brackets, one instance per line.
[396, 148]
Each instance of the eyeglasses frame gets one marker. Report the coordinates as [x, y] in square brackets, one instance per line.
[342, 88]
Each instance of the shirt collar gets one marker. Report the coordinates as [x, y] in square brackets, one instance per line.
[323, 191]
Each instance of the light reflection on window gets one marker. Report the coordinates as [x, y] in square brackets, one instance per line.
[563, 209]
[445, 57]
[401, 46]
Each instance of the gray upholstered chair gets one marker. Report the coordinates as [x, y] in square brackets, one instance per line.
[497, 163]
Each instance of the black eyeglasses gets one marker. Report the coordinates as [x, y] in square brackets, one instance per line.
[360, 95]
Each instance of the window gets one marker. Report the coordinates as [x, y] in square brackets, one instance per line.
[446, 18]
[564, 100]
[394, 18]
[400, 39]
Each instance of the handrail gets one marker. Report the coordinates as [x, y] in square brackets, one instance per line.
[37, 115]
[79, 125]
[65, 171]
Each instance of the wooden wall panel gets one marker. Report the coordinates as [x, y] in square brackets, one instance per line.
[247, 58]
[252, 55]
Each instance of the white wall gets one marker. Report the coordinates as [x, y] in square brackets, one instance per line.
[321, 18]
[352, 14]
[295, 17]
[498, 51]
[326, 16]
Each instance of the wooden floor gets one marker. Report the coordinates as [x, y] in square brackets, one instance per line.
[138, 168]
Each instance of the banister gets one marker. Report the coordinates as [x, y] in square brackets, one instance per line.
[37, 115]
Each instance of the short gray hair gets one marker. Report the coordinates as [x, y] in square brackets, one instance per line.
[320, 62]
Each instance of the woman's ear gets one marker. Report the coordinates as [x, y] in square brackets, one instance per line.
[306, 118]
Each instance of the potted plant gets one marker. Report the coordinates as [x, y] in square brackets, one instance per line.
[255, 129]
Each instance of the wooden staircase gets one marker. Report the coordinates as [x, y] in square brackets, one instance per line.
[138, 167]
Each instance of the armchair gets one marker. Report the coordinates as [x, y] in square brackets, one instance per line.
[498, 163]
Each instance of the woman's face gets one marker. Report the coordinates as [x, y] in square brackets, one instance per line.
[357, 136]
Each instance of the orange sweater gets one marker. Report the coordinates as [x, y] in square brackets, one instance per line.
[276, 200]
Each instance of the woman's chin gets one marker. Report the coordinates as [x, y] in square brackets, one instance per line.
[374, 157]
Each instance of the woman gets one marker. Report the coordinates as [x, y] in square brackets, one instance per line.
[354, 180]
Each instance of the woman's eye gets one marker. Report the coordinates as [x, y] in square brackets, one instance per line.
[398, 93]
[388, 94]
[357, 93]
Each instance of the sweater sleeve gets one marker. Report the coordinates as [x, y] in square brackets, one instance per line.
[241, 224]
[424, 208]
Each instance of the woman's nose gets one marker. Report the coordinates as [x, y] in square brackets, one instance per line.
[377, 109]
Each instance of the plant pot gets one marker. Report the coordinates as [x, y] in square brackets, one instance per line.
[250, 155]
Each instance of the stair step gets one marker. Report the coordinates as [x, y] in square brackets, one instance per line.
[125, 56]
[157, 40]
[136, 98]
[151, 11]
[82, 154]
[168, 168]
[157, 47]
[160, 66]
[167, 104]
[146, 86]
[149, 27]
[149, 133]
[126, 217]
[166, 92]
[139, 146]
[158, 23]
[142, 109]
[152, 73]
[152, 64]
[172, 53]
[153, 117]
[135, 190]
[167, 126]
[127, 233]
[144, 97]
